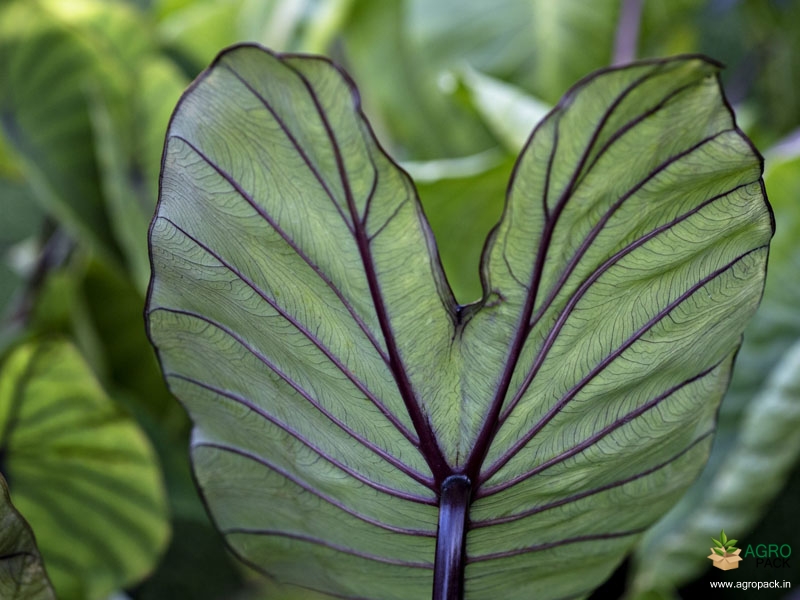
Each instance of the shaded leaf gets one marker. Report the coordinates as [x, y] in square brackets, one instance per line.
[462, 209]
[301, 315]
[43, 103]
[69, 453]
[412, 93]
[22, 574]
[538, 45]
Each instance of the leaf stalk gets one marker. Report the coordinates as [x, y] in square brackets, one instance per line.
[448, 572]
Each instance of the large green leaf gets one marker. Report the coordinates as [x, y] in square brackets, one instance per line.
[344, 404]
[80, 472]
[22, 574]
[774, 329]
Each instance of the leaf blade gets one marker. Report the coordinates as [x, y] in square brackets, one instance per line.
[553, 421]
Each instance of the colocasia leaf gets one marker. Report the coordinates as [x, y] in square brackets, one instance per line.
[359, 433]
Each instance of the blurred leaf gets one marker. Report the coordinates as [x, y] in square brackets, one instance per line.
[128, 148]
[752, 473]
[114, 307]
[461, 210]
[409, 54]
[408, 93]
[196, 566]
[22, 573]
[198, 29]
[683, 33]
[21, 219]
[81, 473]
[509, 112]
[129, 221]
[159, 84]
[539, 45]
[43, 101]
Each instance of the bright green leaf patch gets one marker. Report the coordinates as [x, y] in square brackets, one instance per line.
[302, 316]
[80, 472]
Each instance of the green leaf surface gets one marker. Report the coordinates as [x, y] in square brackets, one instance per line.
[80, 472]
[774, 329]
[22, 573]
[302, 316]
[749, 478]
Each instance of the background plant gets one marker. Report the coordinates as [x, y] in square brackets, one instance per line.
[86, 88]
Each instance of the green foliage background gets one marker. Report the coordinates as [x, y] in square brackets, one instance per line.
[452, 87]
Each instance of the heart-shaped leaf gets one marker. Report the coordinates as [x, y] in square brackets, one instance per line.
[344, 405]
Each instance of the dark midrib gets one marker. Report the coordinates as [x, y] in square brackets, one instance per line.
[299, 390]
[293, 140]
[555, 330]
[255, 409]
[484, 439]
[593, 439]
[448, 574]
[289, 241]
[428, 445]
[303, 330]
